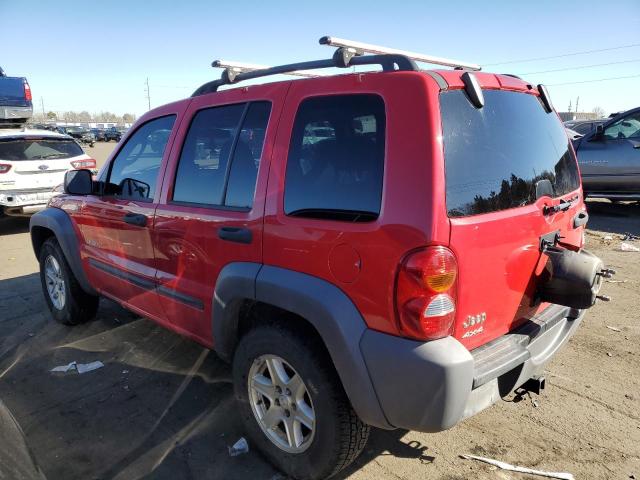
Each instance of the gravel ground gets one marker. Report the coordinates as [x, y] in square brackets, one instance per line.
[162, 407]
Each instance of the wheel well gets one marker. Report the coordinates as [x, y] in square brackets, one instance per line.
[252, 313]
[39, 235]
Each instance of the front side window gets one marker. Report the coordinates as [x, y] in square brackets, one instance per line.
[134, 171]
[336, 158]
[495, 156]
[627, 127]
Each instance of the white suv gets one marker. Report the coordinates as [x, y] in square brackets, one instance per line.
[32, 164]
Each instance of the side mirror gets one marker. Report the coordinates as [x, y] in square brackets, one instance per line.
[132, 188]
[598, 135]
[78, 182]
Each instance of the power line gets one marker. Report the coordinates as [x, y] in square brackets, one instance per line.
[583, 66]
[591, 81]
[563, 55]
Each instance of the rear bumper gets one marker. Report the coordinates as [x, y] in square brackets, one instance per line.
[15, 113]
[432, 386]
[24, 202]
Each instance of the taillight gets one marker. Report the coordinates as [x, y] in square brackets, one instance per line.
[426, 293]
[4, 167]
[87, 163]
[27, 91]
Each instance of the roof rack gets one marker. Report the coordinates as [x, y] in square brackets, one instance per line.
[347, 54]
[241, 67]
[359, 48]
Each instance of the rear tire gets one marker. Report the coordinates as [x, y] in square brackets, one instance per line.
[68, 303]
[336, 437]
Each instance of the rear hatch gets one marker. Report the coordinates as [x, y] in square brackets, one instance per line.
[13, 92]
[36, 162]
[505, 164]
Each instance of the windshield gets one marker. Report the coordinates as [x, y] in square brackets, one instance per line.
[495, 155]
[38, 148]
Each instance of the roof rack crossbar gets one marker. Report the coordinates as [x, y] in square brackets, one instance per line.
[241, 67]
[231, 75]
[359, 48]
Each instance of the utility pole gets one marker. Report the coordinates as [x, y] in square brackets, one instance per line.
[577, 100]
[148, 94]
[42, 103]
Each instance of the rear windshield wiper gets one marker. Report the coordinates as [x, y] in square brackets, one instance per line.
[335, 214]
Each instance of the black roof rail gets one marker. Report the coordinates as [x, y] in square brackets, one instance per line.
[342, 58]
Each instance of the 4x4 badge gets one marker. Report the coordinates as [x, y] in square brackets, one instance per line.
[474, 320]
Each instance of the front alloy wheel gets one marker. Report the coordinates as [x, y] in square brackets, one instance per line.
[55, 282]
[281, 403]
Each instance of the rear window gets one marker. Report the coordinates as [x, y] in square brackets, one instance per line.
[495, 155]
[38, 148]
[11, 88]
[336, 157]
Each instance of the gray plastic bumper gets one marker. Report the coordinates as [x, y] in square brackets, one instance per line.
[431, 386]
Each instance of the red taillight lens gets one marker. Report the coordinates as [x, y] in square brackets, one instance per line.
[27, 91]
[4, 167]
[426, 293]
[87, 163]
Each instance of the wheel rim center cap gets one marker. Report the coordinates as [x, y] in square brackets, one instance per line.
[285, 401]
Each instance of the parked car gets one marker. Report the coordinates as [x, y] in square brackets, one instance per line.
[32, 164]
[584, 126]
[112, 133]
[15, 100]
[307, 231]
[609, 158]
[81, 134]
[98, 134]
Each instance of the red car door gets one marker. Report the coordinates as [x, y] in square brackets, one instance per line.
[116, 226]
[212, 203]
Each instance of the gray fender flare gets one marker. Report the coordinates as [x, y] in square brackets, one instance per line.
[59, 222]
[324, 305]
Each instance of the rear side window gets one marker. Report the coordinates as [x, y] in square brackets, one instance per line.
[220, 157]
[38, 148]
[495, 155]
[134, 171]
[336, 158]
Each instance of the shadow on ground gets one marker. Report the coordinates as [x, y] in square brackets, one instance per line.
[162, 407]
[13, 225]
[620, 218]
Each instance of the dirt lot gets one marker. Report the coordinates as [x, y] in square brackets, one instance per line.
[162, 406]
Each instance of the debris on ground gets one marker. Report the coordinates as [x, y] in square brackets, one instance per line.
[78, 367]
[627, 247]
[607, 237]
[514, 468]
[615, 329]
[609, 354]
[240, 447]
[630, 237]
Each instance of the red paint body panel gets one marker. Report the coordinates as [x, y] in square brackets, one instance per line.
[497, 253]
[406, 220]
[189, 254]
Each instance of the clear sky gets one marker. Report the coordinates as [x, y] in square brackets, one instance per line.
[96, 56]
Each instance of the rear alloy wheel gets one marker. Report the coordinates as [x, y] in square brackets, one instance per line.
[293, 405]
[55, 282]
[281, 403]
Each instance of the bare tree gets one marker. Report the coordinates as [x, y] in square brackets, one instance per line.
[599, 111]
[128, 118]
[84, 116]
[52, 116]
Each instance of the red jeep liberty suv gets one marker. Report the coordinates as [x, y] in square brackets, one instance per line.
[397, 248]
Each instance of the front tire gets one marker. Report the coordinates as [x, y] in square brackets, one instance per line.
[293, 405]
[67, 302]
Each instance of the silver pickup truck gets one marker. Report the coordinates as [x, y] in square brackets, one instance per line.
[609, 158]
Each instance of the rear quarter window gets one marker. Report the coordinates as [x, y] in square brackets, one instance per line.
[336, 157]
[495, 155]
